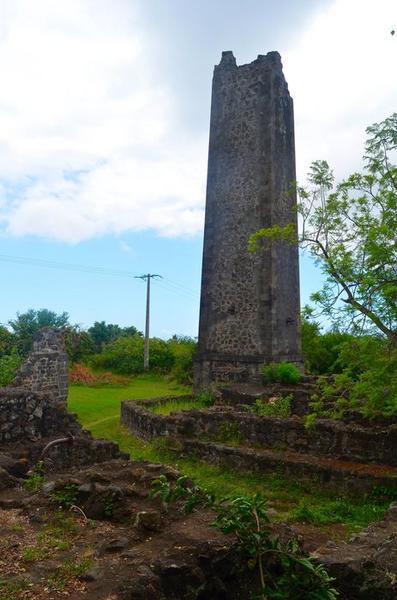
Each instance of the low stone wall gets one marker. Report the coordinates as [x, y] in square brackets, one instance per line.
[326, 472]
[26, 415]
[328, 438]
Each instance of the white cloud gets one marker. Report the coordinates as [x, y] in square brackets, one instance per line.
[86, 135]
[342, 75]
[89, 140]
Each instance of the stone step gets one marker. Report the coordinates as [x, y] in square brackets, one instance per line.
[340, 475]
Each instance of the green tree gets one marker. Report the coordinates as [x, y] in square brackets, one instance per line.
[9, 364]
[350, 230]
[27, 324]
[7, 341]
[79, 344]
[102, 333]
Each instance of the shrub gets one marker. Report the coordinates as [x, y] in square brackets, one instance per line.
[279, 406]
[183, 349]
[9, 365]
[321, 351]
[124, 355]
[283, 372]
[285, 571]
[81, 374]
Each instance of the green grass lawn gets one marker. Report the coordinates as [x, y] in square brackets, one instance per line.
[98, 409]
[94, 404]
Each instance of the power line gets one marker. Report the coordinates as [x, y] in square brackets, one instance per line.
[166, 284]
[64, 266]
[163, 285]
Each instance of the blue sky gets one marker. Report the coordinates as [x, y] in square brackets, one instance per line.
[104, 117]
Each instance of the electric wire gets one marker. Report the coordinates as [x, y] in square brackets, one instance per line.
[166, 284]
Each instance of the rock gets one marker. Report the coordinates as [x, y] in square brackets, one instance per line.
[16, 467]
[48, 487]
[92, 574]
[85, 489]
[114, 545]
[149, 520]
[6, 480]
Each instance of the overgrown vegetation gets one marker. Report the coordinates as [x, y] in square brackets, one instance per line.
[285, 571]
[364, 380]
[177, 405]
[170, 492]
[36, 477]
[66, 496]
[282, 372]
[278, 406]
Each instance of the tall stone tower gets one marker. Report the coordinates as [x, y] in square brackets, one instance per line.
[249, 311]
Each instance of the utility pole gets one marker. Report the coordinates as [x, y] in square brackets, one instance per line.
[147, 277]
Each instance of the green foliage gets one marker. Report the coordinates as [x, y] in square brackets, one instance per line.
[9, 365]
[7, 341]
[124, 355]
[36, 478]
[79, 344]
[285, 571]
[321, 351]
[280, 406]
[182, 349]
[283, 372]
[101, 333]
[367, 381]
[170, 492]
[27, 324]
[66, 496]
[286, 233]
[166, 490]
[205, 399]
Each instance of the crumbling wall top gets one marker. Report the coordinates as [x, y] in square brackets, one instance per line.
[46, 368]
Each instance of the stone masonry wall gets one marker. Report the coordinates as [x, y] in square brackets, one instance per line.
[249, 311]
[329, 438]
[26, 415]
[46, 368]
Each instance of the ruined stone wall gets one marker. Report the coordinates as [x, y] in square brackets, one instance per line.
[328, 438]
[46, 368]
[249, 310]
[26, 415]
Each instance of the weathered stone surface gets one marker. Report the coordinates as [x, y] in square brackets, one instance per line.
[6, 480]
[249, 302]
[149, 520]
[366, 566]
[344, 476]
[26, 415]
[336, 439]
[46, 368]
